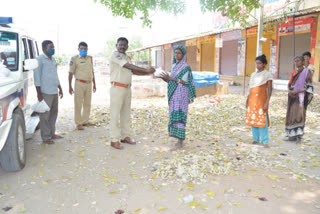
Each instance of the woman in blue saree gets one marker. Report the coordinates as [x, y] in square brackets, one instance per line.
[181, 92]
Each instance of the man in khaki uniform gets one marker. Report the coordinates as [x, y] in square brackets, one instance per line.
[81, 66]
[121, 71]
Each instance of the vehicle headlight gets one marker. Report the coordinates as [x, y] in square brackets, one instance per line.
[1, 114]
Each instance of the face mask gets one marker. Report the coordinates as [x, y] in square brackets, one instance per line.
[83, 53]
[51, 52]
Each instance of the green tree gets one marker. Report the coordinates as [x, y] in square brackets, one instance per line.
[58, 59]
[109, 47]
[141, 55]
[135, 42]
[62, 59]
[239, 11]
[131, 8]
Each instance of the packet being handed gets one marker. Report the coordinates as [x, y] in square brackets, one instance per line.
[159, 72]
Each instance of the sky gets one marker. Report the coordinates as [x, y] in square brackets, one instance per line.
[67, 22]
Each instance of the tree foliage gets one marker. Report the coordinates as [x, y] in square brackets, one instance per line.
[131, 8]
[237, 10]
[62, 59]
[134, 43]
[141, 55]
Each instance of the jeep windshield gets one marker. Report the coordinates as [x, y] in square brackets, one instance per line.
[9, 50]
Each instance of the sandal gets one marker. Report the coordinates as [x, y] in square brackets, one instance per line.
[48, 141]
[55, 137]
[254, 143]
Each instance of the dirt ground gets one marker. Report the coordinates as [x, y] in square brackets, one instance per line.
[218, 168]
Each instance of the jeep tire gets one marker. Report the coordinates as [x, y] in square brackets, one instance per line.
[13, 154]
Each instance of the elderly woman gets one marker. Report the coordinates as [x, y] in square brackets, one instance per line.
[181, 92]
[299, 96]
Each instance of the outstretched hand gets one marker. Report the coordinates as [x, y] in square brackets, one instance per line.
[165, 76]
[151, 70]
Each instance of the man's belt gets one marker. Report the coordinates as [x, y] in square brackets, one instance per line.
[120, 84]
[84, 81]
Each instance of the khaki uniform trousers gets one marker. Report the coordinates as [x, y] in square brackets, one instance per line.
[48, 119]
[120, 108]
[82, 102]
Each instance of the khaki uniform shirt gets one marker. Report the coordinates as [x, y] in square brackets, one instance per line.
[118, 73]
[82, 67]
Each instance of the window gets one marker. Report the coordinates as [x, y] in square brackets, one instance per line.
[9, 50]
[25, 49]
[37, 49]
[31, 49]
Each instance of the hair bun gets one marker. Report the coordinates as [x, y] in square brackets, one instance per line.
[262, 58]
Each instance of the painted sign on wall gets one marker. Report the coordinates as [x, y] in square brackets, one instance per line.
[302, 24]
[207, 38]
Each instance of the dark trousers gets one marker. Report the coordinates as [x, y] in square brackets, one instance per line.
[49, 118]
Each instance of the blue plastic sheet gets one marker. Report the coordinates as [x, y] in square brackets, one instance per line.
[203, 79]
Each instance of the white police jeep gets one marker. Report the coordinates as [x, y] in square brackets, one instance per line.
[17, 61]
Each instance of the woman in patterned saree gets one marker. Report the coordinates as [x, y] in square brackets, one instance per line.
[299, 96]
[258, 102]
[181, 92]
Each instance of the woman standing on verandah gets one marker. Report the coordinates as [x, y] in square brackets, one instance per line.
[299, 96]
[260, 87]
[181, 92]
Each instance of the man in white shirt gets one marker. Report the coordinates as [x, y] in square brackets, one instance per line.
[307, 57]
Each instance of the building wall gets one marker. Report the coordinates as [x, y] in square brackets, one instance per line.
[203, 55]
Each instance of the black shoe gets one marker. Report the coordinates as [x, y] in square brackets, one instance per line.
[292, 138]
